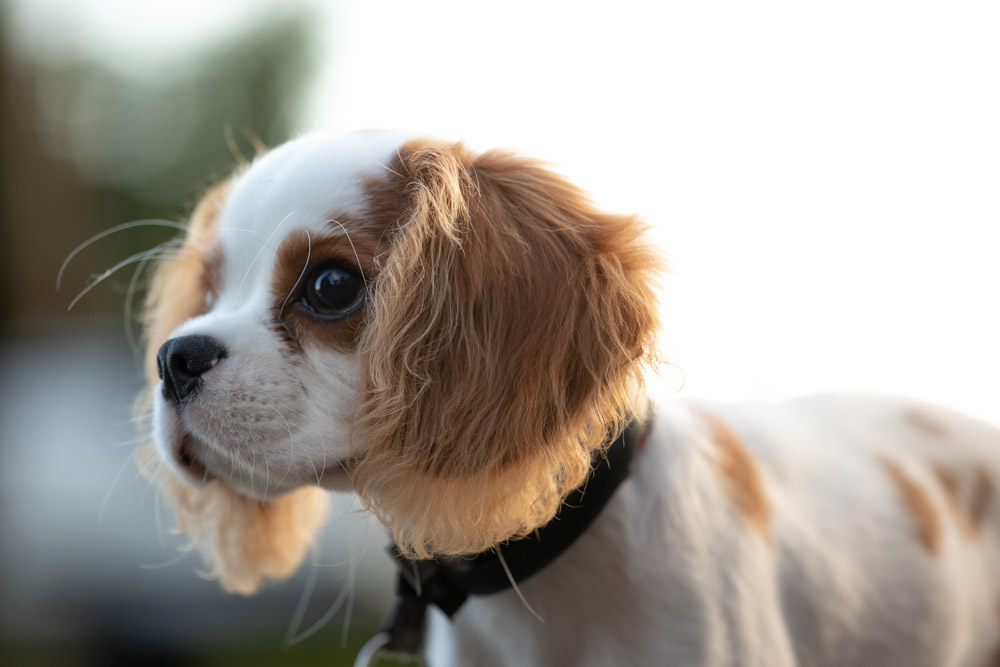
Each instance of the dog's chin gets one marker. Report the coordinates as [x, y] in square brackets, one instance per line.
[336, 478]
[178, 448]
[261, 485]
[198, 463]
[189, 462]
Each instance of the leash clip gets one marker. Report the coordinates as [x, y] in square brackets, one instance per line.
[400, 641]
[376, 653]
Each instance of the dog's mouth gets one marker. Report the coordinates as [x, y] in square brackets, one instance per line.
[190, 458]
[189, 461]
[245, 469]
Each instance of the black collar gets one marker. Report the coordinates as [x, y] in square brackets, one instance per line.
[447, 583]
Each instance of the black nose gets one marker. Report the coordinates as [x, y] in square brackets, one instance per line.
[182, 361]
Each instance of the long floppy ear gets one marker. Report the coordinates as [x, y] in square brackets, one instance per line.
[242, 541]
[506, 339]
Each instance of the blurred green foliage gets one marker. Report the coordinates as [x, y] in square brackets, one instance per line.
[324, 650]
[85, 146]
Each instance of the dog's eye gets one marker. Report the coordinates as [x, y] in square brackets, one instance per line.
[334, 291]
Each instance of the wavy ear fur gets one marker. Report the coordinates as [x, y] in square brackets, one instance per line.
[242, 541]
[506, 339]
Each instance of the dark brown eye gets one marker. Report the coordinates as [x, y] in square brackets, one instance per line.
[334, 291]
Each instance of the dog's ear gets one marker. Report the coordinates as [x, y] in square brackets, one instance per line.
[506, 337]
[242, 541]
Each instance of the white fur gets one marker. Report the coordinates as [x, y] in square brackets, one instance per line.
[670, 574]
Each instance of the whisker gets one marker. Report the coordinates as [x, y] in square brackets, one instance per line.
[229, 228]
[323, 620]
[148, 222]
[135, 478]
[349, 612]
[145, 254]
[130, 336]
[517, 589]
[315, 471]
[326, 446]
[291, 440]
[356, 258]
[352, 583]
[176, 558]
[137, 419]
[304, 598]
[301, 273]
[390, 169]
[239, 450]
[350, 561]
[259, 252]
[132, 442]
[157, 517]
[267, 481]
[114, 482]
[347, 510]
[253, 464]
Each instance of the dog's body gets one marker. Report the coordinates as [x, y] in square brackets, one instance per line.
[858, 535]
[454, 335]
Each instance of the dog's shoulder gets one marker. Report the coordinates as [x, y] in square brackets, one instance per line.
[876, 454]
[870, 512]
[835, 429]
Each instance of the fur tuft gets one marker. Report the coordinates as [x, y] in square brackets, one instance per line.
[242, 541]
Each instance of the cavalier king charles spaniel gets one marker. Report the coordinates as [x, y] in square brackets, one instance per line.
[460, 338]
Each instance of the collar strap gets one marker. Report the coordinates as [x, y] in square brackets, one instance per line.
[447, 583]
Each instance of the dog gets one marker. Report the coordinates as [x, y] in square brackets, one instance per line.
[462, 338]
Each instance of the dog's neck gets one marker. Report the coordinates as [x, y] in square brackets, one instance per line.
[447, 583]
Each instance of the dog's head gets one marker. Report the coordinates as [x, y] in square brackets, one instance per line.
[452, 335]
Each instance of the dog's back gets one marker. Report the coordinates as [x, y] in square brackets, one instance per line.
[833, 530]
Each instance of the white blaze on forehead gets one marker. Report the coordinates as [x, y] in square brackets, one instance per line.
[302, 184]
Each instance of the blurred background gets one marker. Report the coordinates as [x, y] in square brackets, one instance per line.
[824, 178]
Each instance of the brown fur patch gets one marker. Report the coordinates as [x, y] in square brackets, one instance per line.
[386, 203]
[918, 504]
[970, 515]
[952, 493]
[982, 495]
[925, 423]
[212, 262]
[742, 476]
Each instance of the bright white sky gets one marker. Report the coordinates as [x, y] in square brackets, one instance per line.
[825, 177]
